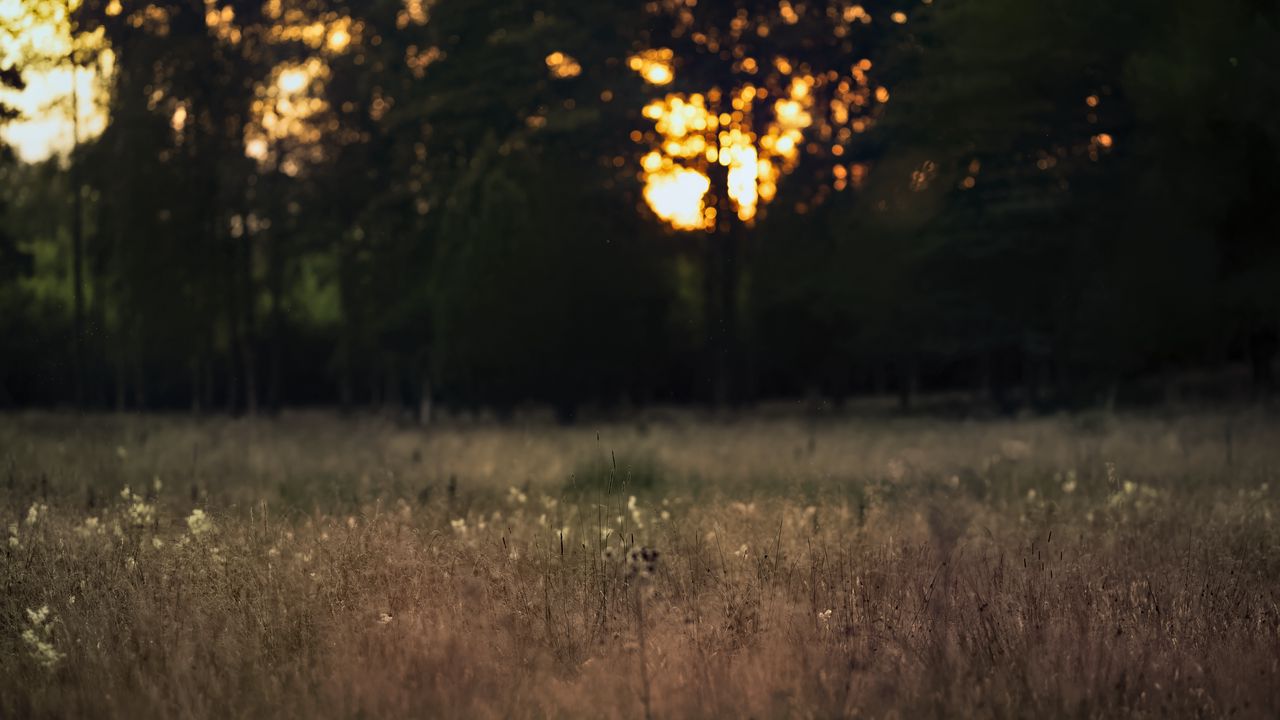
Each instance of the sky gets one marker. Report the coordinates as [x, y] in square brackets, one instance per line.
[37, 29]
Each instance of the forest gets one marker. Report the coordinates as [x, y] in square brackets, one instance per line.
[458, 204]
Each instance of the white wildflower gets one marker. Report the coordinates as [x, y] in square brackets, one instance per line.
[34, 512]
[199, 523]
[139, 513]
[37, 617]
[37, 639]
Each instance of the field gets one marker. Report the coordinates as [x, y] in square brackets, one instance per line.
[1070, 566]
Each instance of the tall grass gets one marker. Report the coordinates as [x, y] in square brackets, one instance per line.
[840, 569]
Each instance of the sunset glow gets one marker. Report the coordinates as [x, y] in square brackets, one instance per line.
[692, 132]
[45, 127]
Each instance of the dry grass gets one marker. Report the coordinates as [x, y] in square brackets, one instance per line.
[1060, 567]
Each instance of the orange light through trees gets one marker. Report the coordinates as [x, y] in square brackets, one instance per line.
[776, 109]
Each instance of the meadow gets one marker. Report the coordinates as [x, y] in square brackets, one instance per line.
[669, 566]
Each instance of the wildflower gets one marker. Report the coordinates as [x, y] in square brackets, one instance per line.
[516, 497]
[156, 484]
[742, 551]
[1130, 487]
[384, 618]
[90, 528]
[1031, 495]
[825, 616]
[459, 525]
[665, 515]
[38, 640]
[37, 617]
[199, 523]
[33, 513]
[1069, 486]
[130, 563]
[139, 513]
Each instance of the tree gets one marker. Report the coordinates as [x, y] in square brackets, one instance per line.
[763, 90]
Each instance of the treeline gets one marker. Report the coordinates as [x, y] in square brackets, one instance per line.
[1061, 203]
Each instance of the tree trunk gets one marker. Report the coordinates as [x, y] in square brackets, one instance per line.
[424, 400]
[121, 384]
[248, 342]
[721, 293]
[77, 242]
[910, 386]
[195, 385]
[139, 384]
[982, 391]
[1263, 345]
[276, 281]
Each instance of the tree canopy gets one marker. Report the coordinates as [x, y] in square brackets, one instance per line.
[488, 203]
